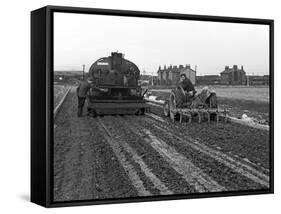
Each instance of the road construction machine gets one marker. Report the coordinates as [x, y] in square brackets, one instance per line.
[116, 89]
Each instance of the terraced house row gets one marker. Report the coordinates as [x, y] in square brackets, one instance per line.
[229, 76]
[171, 75]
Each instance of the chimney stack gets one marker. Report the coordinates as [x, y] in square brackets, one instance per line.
[226, 67]
[235, 67]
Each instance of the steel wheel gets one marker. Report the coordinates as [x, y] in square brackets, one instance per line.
[166, 109]
[92, 112]
[172, 104]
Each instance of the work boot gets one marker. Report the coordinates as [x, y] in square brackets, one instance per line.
[79, 113]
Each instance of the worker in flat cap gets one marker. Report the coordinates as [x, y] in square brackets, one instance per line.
[82, 91]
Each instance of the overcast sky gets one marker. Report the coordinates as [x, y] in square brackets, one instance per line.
[82, 39]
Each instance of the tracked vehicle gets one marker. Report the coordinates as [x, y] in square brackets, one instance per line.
[120, 94]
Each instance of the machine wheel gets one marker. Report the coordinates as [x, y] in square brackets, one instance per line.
[166, 109]
[213, 116]
[140, 111]
[212, 101]
[92, 112]
[174, 98]
[174, 116]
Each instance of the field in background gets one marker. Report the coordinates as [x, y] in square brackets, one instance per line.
[259, 94]
[244, 93]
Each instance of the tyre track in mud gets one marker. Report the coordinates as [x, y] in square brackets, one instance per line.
[227, 173]
[183, 165]
[245, 142]
[140, 156]
[157, 173]
[154, 184]
[84, 165]
[118, 150]
[109, 178]
[199, 144]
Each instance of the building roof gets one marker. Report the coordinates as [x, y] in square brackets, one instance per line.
[176, 70]
[186, 69]
[208, 76]
[231, 70]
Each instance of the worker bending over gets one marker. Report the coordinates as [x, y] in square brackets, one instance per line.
[82, 91]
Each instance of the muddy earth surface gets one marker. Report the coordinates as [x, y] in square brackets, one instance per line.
[138, 156]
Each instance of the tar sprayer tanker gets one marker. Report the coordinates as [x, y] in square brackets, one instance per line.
[119, 77]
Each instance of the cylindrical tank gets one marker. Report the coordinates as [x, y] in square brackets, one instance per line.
[120, 79]
[115, 71]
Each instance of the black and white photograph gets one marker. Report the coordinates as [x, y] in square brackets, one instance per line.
[152, 107]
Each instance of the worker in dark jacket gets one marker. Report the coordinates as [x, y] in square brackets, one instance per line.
[82, 90]
[186, 86]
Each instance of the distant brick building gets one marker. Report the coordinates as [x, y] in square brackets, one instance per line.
[233, 76]
[171, 75]
[258, 80]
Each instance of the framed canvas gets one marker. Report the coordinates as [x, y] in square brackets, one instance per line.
[133, 106]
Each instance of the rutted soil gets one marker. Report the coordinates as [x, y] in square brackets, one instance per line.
[158, 166]
[119, 159]
[84, 165]
[225, 176]
[243, 141]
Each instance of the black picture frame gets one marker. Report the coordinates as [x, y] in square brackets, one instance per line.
[42, 101]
